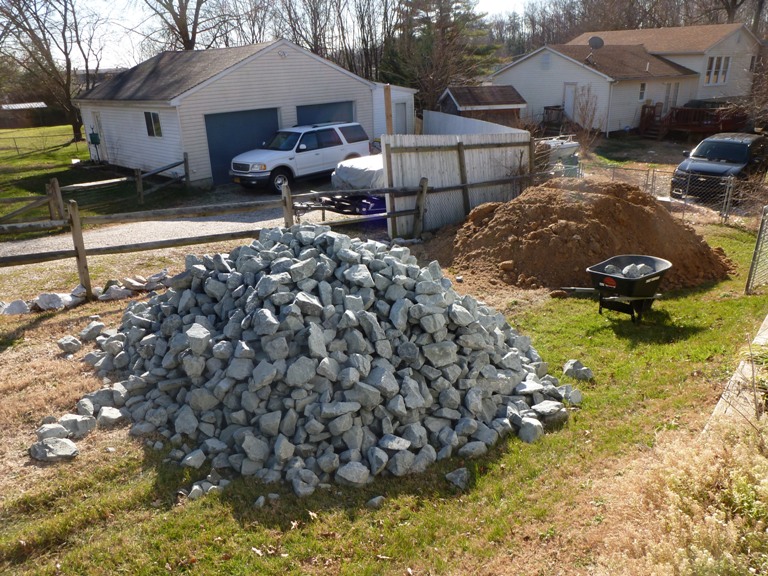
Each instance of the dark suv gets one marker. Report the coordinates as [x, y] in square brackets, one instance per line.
[705, 170]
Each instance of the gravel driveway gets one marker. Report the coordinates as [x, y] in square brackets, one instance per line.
[151, 230]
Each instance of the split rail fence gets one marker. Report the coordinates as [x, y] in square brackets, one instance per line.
[54, 193]
[75, 223]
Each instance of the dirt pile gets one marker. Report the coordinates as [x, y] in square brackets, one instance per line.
[550, 234]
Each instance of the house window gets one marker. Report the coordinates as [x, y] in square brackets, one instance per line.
[752, 63]
[641, 97]
[152, 120]
[717, 70]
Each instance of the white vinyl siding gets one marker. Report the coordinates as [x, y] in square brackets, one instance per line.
[124, 135]
[540, 80]
[270, 81]
[400, 96]
[740, 48]
[625, 107]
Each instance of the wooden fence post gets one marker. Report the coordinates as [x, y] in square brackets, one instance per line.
[287, 206]
[58, 200]
[421, 199]
[139, 185]
[77, 240]
[186, 170]
[51, 201]
[463, 177]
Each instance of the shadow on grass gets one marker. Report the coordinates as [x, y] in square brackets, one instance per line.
[286, 508]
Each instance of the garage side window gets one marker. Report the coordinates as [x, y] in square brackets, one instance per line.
[152, 119]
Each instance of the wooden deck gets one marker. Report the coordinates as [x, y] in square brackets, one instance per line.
[690, 120]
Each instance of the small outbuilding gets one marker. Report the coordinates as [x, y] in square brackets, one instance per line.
[214, 104]
[497, 104]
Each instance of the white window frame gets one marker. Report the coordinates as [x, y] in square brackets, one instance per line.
[717, 70]
[643, 88]
[152, 122]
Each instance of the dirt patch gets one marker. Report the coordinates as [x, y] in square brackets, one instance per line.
[550, 234]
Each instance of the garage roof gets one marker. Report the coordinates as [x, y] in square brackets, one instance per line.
[170, 74]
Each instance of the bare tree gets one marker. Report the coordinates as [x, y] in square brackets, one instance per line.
[244, 21]
[185, 24]
[46, 38]
[363, 29]
[308, 23]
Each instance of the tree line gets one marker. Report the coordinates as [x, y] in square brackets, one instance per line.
[53, 49]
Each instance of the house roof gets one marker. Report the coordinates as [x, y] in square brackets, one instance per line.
[623, 62]
[170, 74]
[673, 40]
[484, 97]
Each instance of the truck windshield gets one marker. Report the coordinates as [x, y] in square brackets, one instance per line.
[721, 152]
[283, 141]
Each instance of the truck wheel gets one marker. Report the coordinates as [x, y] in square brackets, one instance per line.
[278, 178]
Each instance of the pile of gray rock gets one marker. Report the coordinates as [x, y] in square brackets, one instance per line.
[312, 357]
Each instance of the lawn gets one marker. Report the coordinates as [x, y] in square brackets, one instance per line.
[631, 485]
[31, 158]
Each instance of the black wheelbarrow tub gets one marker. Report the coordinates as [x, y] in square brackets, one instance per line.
[618, 285]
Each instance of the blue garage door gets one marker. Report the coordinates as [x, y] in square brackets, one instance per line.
[330, 112]
[231, 133]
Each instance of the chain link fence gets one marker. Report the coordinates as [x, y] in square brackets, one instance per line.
[690, 196]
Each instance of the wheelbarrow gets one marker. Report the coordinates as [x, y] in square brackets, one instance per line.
[631, 294]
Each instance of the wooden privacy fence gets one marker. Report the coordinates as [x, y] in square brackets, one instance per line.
[481, 167]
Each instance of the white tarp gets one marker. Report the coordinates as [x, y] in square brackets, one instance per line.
[362, 173]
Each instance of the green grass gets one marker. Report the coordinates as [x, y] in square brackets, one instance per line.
[121, 518]
[30, 158]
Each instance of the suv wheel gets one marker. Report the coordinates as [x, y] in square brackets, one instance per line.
[278, 178]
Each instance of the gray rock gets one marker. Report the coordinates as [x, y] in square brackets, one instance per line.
[401, 462]
[575, 369]
[473, 449]
[109, 417]
[530, 430]
[459, 478]
[194, 459]
[240, 369]
[53, 430]
[201, 400]
[78, 426]
[69, 344]
[269, 424]
[16, 307]
[392, 442]
[92, 331]
[185, 422]
[301, 371]
[375, 502]
[283, 449]
[441, 353]
[353, 474]
[53, 450]
[199, 338]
